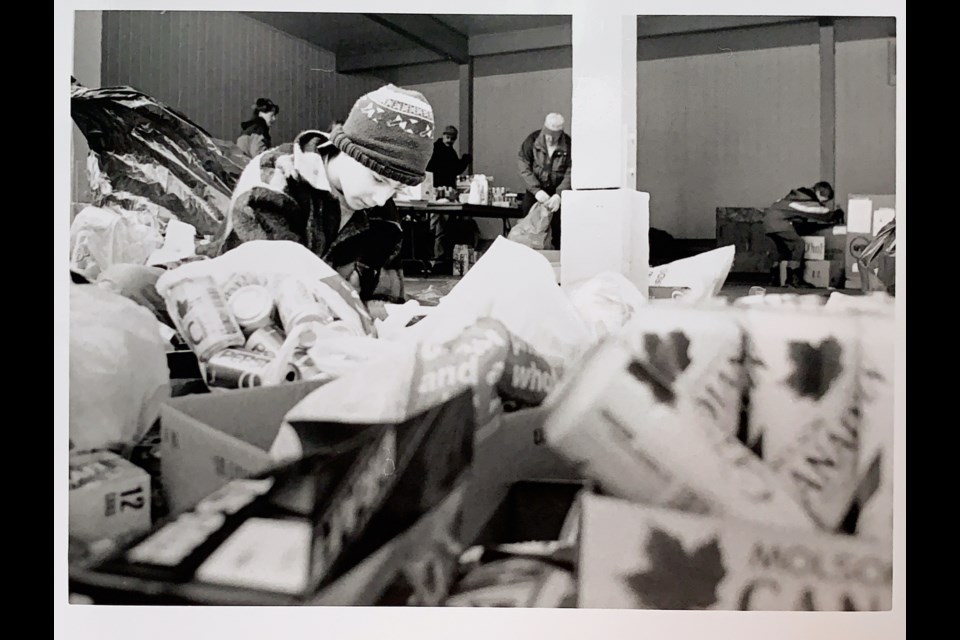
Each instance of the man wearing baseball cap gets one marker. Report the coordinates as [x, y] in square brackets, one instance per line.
[445, 164]
[544, 165]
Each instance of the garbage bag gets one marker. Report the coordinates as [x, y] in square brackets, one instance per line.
[145, 153]
[118, 369]
[534, 230]
[102, 237]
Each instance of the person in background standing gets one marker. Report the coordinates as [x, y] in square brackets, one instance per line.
[446, 165]
[255, 137]
[544, 165]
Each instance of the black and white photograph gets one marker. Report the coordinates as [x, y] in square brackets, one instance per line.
[456, 307]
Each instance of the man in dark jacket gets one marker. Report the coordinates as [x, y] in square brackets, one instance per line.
[801, 210]
[544, 165]
[446, 165]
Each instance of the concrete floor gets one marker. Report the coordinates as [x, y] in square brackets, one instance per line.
[737, 286]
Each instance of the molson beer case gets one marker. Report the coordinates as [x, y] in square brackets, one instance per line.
[637, 433]
[806, 404]
[632, 556]
[700, 350]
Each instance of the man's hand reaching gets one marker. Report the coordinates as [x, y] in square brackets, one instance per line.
[553, 204]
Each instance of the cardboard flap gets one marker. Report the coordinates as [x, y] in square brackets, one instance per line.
[251, 415]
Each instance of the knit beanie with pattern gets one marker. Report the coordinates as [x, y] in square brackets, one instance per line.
[389, 131]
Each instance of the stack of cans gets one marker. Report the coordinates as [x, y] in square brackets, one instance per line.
[464, 257]
[238, 331]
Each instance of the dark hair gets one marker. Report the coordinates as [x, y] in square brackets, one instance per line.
[265, 105]
[823, 185]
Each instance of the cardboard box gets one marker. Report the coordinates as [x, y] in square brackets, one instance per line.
[324, 516]
[532, 510]
[819, 273]
[814, 247]
[207, 440]
[360, 586]
[536, 520]
[856, 243]
[423, 192]
[109, 496]
[865, 215]
[667, 293]
[645, 437]
[808, 361]
[823, 273]
[210, 439]
[742, 227]
[508, 450]
[633, 556]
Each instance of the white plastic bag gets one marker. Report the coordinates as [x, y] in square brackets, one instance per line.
[100, 238]
[534, 229]
[515, 285]
[118, 369]
[605, 302]
[178, 243]
[275, 258]
[704, 273]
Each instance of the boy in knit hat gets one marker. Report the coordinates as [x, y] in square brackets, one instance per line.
[332, 192]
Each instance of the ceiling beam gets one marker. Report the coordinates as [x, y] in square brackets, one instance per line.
[489, 44]
[428, 32]
[385, 59]
[651, 26]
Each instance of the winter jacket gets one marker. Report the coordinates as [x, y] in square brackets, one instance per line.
[541, 171]
[255, 137]
[446, 165]
[272, 202]
[800, 205]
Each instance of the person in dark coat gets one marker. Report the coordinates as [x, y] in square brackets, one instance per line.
[544, 164]
[255, 136]
[800, 211]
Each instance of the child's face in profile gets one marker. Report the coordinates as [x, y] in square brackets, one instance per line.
[363, 188]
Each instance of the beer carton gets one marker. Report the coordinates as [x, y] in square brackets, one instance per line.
[805, 404]
[634, 556]
[643, 438]
[109, 496]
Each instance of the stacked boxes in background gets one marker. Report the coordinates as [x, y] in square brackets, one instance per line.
[822, 258]
[866, 214]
